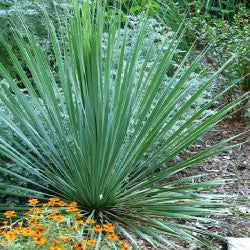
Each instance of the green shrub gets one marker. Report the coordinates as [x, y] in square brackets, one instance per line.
[98, 126]
[31, 12]
[224, 27]
[226, 39]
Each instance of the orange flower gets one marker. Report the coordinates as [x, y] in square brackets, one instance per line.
[55, 242]
[35, 217]
[38, 226]
[78, 214]
[54, 199]
[5, 222]
[79, 222]
[40, 232]
[73, 204]
[109, 228]
[10, 214]
[33, 201]
[91, 242]
[16, 229]
[51, 203]
[19, 229]
[90, 221]
[62, 204]
[53, 211]
[27, 232]
[65, 238]
[107, 225]
[71, 228]
[40, 240]
[37, 210]
[57, 218]
[79, 246]
[72, 210]
[10, 235]
[112, 237]
[125, 248]
[97, 228]
[28, 212]
[57, 248]
[123, 243]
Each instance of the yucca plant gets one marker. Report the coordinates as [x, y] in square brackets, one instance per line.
[103, 130]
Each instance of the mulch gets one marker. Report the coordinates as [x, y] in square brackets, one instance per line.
[234, 164]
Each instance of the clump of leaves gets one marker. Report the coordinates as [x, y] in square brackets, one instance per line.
[100, 127]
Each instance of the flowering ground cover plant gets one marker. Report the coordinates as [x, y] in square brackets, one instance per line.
[227, 37]
[57, 225]
[99, 128]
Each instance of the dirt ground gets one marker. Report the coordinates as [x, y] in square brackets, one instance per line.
[234, 164]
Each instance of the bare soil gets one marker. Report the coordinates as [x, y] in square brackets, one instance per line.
[234, 164]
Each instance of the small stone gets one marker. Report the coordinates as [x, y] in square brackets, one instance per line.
[238, 243]
[244, 210]
[193, 246]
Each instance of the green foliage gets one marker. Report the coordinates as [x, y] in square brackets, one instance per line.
[99, 125]
[222, 25]
[32, 14]
[225, 8]
[135, 6]
[226, 39]
[11, 166]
